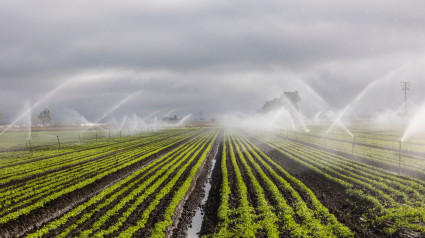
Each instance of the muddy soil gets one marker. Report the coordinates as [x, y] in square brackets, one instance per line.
[194, 200]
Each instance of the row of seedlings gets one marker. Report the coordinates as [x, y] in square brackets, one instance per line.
[399, 200]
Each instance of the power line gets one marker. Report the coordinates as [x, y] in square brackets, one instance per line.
[405, 86]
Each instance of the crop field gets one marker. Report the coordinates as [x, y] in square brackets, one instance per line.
[263, 184]
[213, 119]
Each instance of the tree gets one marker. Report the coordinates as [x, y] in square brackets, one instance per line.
[289, 100]
[44, 116]
[294, 98]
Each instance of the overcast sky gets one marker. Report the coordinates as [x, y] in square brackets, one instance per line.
[210, 55]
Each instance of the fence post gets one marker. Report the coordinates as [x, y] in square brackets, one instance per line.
[58, 142]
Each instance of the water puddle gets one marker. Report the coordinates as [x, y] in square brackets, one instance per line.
[199, 215]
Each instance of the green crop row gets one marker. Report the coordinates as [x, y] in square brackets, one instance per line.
[141, 223]
[8, 174]
[269, 213]
[109, 195]
[266, 216]
[376, 152]
[140, 194]
[321, 212]
[160, 227]
[10, 214]
[388, 193]
[52, 183]
[312, 220]
[24, 156]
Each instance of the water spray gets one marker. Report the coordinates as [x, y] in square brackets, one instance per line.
[185, 118]
[114, 108]
[29, 120]
[27, 112]
[415, 124]
[349, 107]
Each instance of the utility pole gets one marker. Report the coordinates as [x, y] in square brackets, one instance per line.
[405, 86]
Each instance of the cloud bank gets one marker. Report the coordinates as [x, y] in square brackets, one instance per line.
[214, 56]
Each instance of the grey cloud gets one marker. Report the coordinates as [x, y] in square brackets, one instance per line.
[218, 55]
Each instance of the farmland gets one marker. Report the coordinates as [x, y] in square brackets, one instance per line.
[263, 184]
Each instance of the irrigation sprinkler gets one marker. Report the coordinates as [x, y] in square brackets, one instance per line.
[352, 149]
[59, 144]
[79, 138]
[96, 135]
[399, 158]
[120, 134]
[109, 135]
[29, 142]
